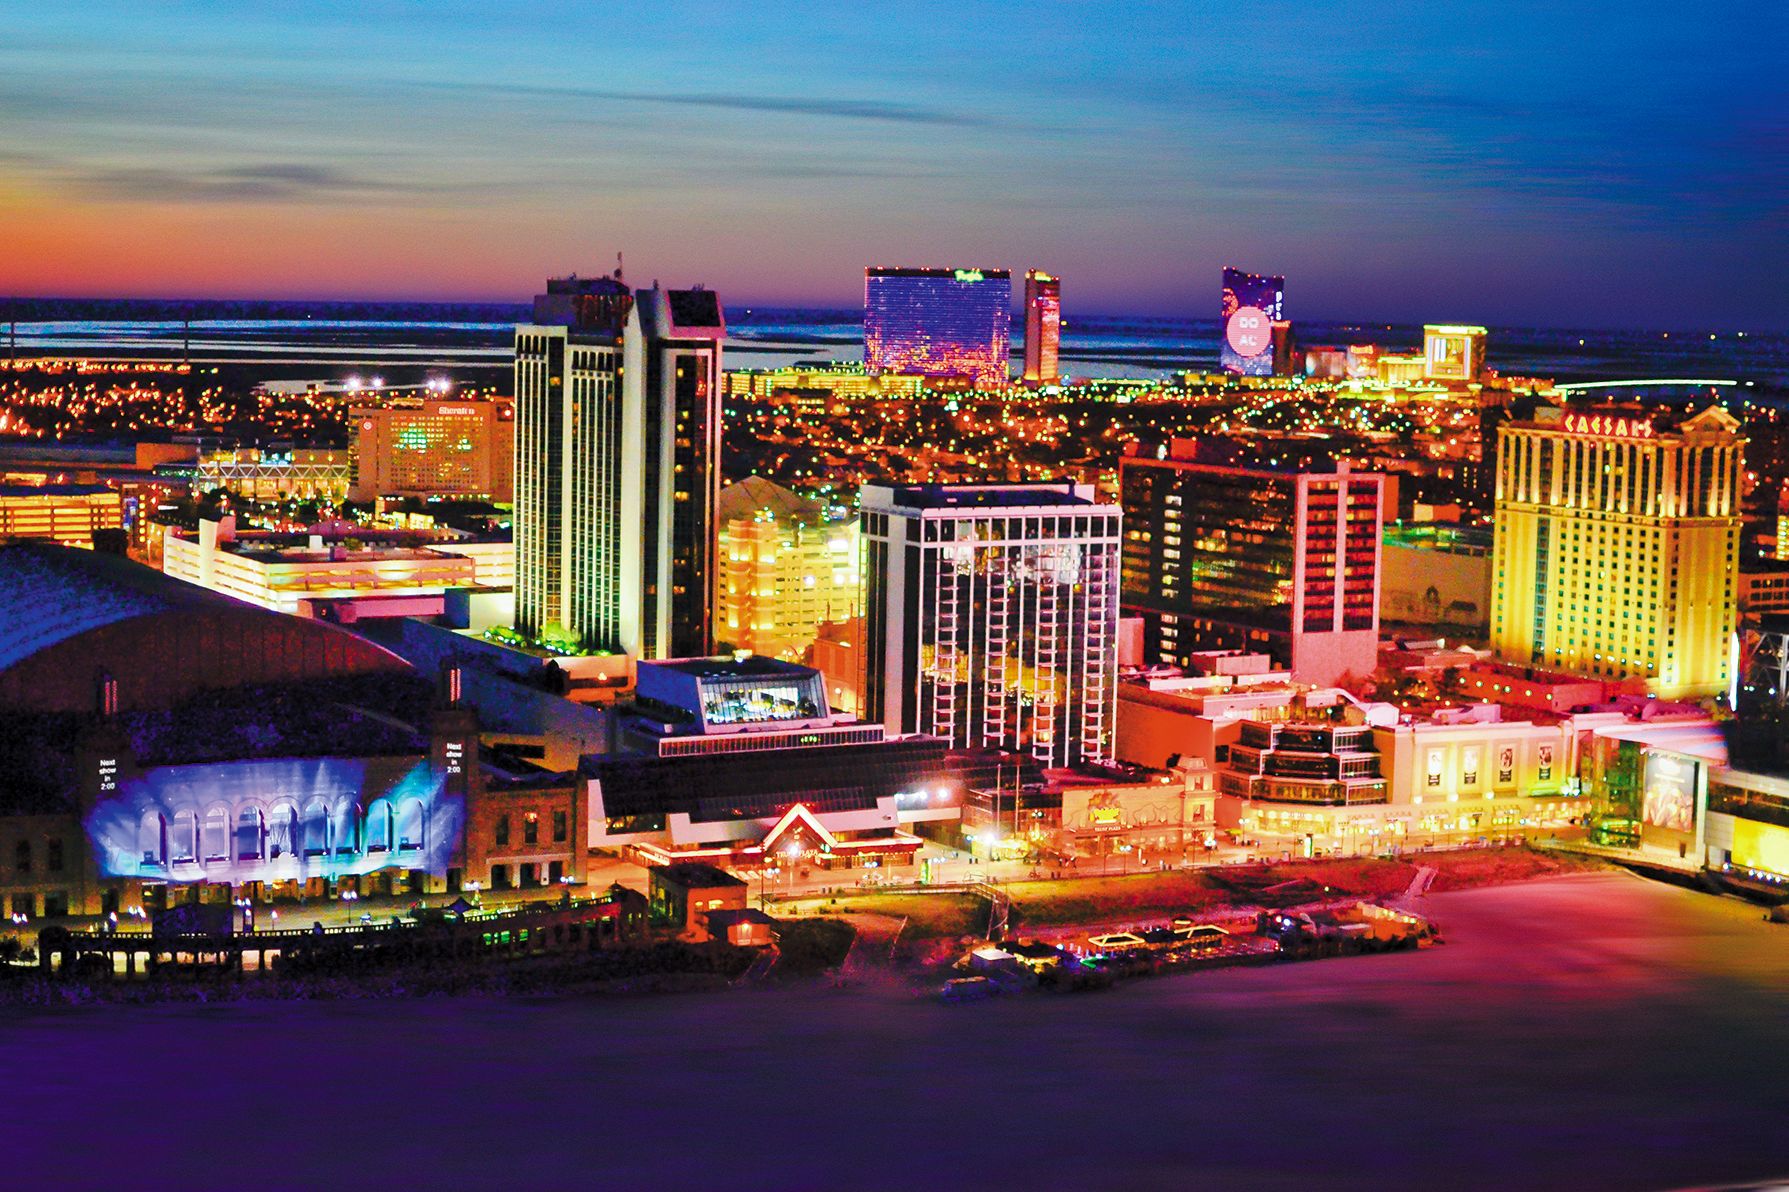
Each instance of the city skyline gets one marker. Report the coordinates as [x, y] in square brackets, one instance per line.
[1397, 170]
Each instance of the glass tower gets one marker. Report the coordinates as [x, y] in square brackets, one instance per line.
[938, 322]
[1252, 304]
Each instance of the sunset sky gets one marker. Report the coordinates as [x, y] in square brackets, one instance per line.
[1581, 165]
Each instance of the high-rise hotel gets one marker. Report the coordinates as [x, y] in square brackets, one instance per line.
[1616, 547]
[1283, 563]
[938, 322]
[1043, 327]
[991, 616]
[618, 466]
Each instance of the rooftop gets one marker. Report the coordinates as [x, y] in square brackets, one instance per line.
[694, 875]
[752, 666]
[989, 496]
[54, 490]
[50, 594]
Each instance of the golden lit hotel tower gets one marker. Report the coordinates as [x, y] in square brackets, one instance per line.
[1616, 546]
[1043, 327]
[618, 467]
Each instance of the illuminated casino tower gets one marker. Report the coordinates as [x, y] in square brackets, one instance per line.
[1252, 304]
[618, 467]
[1043, 327]
[938, 322]
[1615, 549]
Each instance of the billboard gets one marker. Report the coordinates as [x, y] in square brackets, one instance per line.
[1252, 303]
[1668, 799]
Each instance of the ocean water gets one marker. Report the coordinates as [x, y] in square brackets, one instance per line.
[479, 336]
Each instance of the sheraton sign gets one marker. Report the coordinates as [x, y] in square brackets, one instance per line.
[1608, 426]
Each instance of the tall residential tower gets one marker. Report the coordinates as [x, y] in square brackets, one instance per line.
[1284, 563]
[618, 467]
[991, 616]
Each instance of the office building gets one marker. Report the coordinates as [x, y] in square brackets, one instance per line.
[1043, 327]
[1278, 562]
[433, 448]
[1616, 546]
[1453, 353]
[938, 322]
[618, 467]
[1251, 305]
[991, 616]
[787, 566]
[70, 514]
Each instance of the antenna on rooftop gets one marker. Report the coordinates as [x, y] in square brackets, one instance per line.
[618, 268]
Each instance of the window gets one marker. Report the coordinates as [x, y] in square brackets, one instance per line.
[249, 836]
[410, 826]
[316, 828]
[559, 827]
[531, 829]
[53, 856]
[185, 843]
[502, 833]
[21, 856]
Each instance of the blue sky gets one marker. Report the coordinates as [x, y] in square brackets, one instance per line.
[1547, 164]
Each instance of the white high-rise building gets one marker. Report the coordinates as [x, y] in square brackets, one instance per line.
[617, 467]
[991, 616]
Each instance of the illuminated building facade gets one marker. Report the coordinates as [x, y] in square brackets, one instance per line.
[1278, 562]
[786, 568]
[991, 616]
[434, 448]
[1043, 327]
[618, 467]
[743, 762]
[1453, 353]
[1615, 550]
[1251, 304]
[938, 322]
[346, 577]
[66, 513]
[159, 737]
[818, 383]
[277, 474]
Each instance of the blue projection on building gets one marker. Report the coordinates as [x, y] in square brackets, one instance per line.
[278, 820]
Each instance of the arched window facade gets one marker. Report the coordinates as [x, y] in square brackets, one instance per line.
[316, 828]
[215, 837]
[250, 835]
[152, 839]
[378, 827]
[344, 828]
[183, 842]
[282, 832]
[410, 823]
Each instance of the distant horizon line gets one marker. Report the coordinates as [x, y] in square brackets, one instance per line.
[10, 301]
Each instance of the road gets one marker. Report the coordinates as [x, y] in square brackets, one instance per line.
[1595, 1032]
